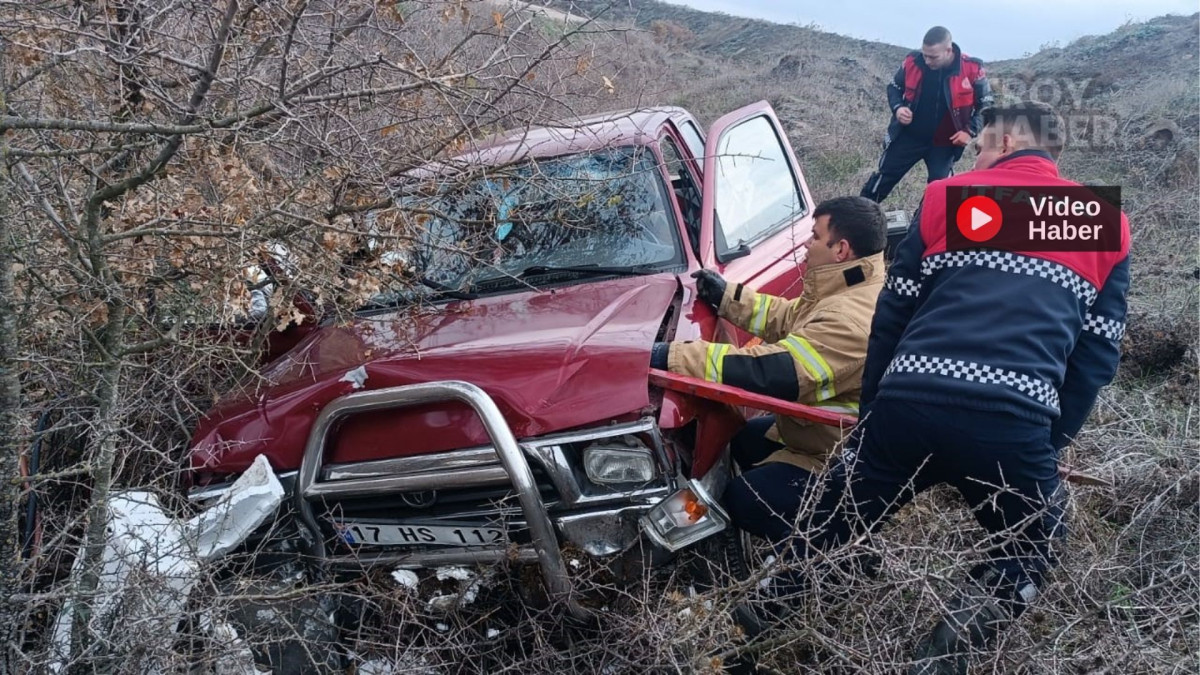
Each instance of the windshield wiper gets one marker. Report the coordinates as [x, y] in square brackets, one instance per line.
[445, 291]
[590, 270]
[402, 298]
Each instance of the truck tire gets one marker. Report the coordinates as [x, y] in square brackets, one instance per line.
[722, 559]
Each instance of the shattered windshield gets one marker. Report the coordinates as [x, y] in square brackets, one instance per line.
[605, 209]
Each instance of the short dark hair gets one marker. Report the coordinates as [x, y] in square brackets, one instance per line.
[858, 220]
[1034, 123]
[936, 36]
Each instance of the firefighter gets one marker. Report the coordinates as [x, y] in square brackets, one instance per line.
[935, 98]
[982, 366]
[813, 352]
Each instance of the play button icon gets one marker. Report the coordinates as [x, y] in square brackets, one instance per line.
[979, 218]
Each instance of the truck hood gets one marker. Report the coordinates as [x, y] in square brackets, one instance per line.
[552, 359]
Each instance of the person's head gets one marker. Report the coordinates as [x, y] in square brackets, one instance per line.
[1028, 125]
[937, 48]
[846, 228]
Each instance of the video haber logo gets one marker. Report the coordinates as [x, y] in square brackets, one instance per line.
[1034, 217]
[979, 218]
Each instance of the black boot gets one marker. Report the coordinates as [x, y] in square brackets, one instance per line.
[972, 624]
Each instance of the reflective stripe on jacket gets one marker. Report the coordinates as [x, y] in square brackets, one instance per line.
[813, 350]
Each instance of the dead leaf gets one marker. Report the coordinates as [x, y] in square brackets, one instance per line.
[498, 19]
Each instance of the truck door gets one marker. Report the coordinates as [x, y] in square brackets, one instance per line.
[756, 212]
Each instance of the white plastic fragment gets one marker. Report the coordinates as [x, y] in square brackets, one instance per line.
[151, 561]
[442, 628]
[238, 659]
[246, 505]
[442, 604]
[492, 633]
[459, 573]
[357, 377]
[404, 664]
[406, 578]
[471, 592]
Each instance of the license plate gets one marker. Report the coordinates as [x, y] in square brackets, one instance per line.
[420, 535]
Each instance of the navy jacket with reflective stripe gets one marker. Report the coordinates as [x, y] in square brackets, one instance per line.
[1032, 333]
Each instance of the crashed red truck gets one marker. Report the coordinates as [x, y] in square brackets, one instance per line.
[515, 414]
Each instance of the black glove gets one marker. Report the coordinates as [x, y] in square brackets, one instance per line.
[710, 287]
[658, 355]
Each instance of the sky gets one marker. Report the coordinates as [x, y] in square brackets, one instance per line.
[991, 31]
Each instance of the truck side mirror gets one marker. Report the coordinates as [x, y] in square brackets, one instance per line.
[741, 251]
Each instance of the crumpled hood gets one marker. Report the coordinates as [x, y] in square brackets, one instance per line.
[552, 359]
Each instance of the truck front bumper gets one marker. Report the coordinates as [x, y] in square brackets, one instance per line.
[598, 521]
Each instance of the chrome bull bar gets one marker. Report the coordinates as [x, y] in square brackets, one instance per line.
[541, 529]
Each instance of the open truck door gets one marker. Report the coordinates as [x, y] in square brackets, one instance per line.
[755, 203]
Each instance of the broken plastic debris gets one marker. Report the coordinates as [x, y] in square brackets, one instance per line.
[151, 561]
[492, 633]
[406, 578]
[470, 593]
[235, 658]
[404, 663]
[355, 377]
[240, 510]
[459, 573]
[442, 628]
[442, 604]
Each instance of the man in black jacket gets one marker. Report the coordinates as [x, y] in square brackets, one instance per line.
[935, 99]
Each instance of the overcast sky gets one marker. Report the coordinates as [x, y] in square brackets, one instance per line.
[991, 31]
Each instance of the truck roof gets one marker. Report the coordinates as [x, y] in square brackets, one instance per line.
[567, 137]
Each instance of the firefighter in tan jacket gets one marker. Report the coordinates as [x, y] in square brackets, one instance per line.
[813, 350]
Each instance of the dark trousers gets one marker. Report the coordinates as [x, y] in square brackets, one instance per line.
[764, 500]
[899, 157]
[1005, 468]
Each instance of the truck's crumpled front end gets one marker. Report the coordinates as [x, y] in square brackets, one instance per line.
[596, 490]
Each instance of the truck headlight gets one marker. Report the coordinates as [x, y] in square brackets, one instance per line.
[613, 464]
[684, 518]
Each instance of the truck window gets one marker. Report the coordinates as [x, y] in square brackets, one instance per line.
[607, 208]
[693, 139]
[756, 191]
[687, 192]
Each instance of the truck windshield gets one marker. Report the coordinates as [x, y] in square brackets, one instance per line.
[606, 209]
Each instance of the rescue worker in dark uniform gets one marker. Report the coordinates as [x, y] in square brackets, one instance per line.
[813, 349]
[982, 366]
[935, 99]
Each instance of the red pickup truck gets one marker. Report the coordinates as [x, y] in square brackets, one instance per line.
[503, 407]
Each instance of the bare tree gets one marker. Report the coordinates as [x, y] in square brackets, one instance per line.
[169, 163]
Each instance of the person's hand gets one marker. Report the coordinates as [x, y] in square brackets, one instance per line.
[904, 114]
[658, 355]
[960, 138]
[710, 287]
